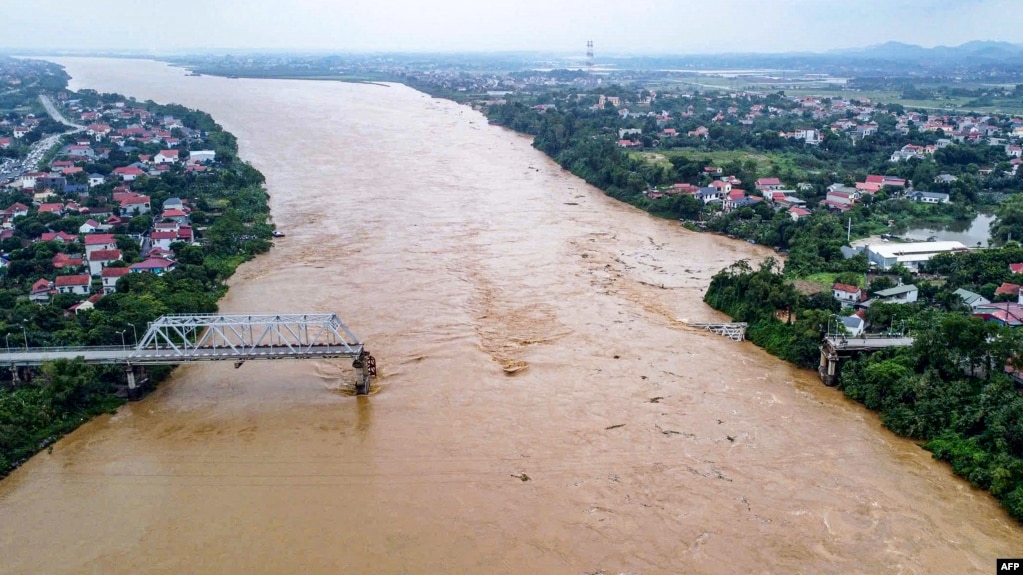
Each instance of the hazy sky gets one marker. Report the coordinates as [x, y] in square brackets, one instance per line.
[615, 26]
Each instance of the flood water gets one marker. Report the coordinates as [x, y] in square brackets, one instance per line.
[524, 323]
[975, 232]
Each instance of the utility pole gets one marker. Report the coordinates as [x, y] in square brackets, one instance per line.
[848, 231]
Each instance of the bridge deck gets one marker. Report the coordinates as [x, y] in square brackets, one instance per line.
[866, 343]
[133, 356]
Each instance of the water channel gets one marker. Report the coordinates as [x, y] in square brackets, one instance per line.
[524, 324]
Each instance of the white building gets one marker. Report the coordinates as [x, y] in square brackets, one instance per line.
[211, 155]
[911, 255]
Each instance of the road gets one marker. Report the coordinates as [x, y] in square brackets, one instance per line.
[13, 168]
[56, 115]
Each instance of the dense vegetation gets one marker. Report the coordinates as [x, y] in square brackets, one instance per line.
[950, 390]
[231, 216]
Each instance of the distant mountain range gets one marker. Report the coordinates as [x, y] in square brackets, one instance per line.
[899, 51]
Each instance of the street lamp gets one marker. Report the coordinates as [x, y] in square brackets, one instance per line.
[7, 338]
[135, 333]
[121, 333]
[25, 333]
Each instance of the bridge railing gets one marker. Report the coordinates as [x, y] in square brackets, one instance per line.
[70, 349]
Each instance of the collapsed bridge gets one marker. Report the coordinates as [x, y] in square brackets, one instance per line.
[186, 338]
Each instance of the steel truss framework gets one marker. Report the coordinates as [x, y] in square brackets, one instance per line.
[187, 338]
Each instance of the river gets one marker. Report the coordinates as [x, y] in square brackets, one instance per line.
[459, 253]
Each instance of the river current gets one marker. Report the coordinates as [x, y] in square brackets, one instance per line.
[542, 406]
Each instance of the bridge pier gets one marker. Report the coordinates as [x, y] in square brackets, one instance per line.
[137, 379]
[21, 374]
[365, 368]
[828, 369]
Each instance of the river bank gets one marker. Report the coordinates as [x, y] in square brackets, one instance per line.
[68, 393]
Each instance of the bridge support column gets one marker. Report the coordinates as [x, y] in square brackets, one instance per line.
[137, 378]
[828, 368]
[365, 368]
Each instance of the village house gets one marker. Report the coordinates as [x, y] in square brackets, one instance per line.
[88, 227]
[974, 300]
[841, 199]
[163, 239]
[78, 285]
[77, 151]
[157, 266]
[110, 276]
[128, 173]
[853, 324]
[846, 294]
[100, 259]
[59, 237]
[166, 157]
[797, 213]
[930, 197]
[898, 294]
[86, 305]
[768, 184]
[708, 195]
[62, 260]
[40, 292]
[54, 208]
[97, 242]
[133, 204]
[18, 210]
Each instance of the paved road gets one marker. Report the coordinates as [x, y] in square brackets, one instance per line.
[12, 168]
[56, 115]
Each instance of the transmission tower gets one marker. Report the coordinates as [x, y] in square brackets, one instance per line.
[589, 53]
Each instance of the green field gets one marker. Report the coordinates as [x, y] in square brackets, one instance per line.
[823, 90]
[767, 163]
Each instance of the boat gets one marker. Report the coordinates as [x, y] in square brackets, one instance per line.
[277, 234]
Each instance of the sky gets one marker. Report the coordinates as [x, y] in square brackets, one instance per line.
[615, 26]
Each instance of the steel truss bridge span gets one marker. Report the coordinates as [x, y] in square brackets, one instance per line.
[176, 339]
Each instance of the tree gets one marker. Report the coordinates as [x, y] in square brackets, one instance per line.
[1008, 222]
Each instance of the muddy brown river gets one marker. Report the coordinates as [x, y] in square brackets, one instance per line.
[524, 324]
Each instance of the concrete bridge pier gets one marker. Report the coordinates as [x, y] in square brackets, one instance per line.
[137, 379]
[21, 374]
[828, 369]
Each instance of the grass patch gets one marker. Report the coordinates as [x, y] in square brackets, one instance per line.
[767, 163]
[827, 279]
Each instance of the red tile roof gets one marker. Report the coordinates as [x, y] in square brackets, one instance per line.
[105, 255]
[846, 288]
[114, 272]
[66, 281]
[1008, 288]
[99, 239]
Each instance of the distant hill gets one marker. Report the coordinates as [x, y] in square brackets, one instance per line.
[899, 51]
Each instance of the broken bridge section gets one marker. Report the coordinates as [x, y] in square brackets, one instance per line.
[176, 339]
[190, 338]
